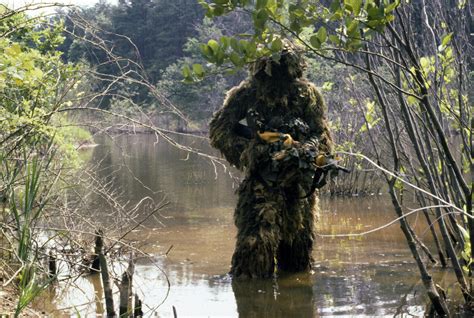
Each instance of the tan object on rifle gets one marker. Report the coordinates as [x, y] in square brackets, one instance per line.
[330, 162]
[273, 136]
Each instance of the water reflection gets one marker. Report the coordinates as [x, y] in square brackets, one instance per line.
[373, 275]
[284, 297]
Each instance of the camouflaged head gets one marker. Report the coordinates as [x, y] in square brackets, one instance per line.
[289, 64]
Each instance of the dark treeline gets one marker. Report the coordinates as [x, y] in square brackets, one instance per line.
[149, 32]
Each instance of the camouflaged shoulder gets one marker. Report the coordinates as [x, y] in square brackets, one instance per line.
[222, 126]
[315, 112]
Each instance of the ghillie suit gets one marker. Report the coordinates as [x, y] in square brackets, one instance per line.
[273, 126]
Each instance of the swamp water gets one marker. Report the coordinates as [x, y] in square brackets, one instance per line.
[371, 275]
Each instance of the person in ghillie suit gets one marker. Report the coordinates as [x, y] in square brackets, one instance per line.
[273, 127]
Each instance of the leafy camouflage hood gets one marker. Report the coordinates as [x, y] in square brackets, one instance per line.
[288, 65]
[272, 76]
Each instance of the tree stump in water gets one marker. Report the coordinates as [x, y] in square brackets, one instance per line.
[126, 284]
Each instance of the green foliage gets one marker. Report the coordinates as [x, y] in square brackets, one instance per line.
[28, 196]
[36, 137]
[466, 252]
[344, 24]
[198, 99]
[33, 84]
[370, 117]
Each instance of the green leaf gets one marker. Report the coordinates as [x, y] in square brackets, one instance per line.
[198, 70]
[14, 49]
[412, 100]
[213, 45]
[186, 71]
[260, 4]
[218, 11]
[272, 6]
[375, 13]
[234, 44]
[276, 45]
[36, 73]
[225, 41]
[446, 39]
[251, 49]
[205, 50]
[322, 34]
[392, 6]
[315, 42]
[356, 5]
[425, 63]
[327, 86]
[261, 18]
[220, 57]
[236, 60]
[243, 46]
[335, 6]
[334, 39]
[398, 185]
[352, 28]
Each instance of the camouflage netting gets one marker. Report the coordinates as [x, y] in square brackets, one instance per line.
[275, 225]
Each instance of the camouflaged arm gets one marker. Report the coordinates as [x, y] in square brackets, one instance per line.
[222, 128]
[320, 136]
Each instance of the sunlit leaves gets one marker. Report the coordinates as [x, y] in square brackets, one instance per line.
[356, 6]
[445, 41]
[371, 118]
[260, 4]
[186, 72]
[427, 65]
[228, 50]
[319, 37]
[327, 86]
[213, 45]
[260, 19]
[33, 84]
[276, 45]
[412, 100]
[344, 24]
[466, 252]
[198, 70]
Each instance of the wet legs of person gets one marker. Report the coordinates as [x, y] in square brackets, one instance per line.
[296, 245]
[258, 223]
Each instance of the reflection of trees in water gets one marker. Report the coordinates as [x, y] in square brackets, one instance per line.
[141, 167]
[362, 290]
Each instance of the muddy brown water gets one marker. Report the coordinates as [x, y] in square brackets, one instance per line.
[371, 275]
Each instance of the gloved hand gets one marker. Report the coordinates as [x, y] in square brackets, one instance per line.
[273, 136]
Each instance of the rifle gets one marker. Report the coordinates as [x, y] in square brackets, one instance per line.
[268, 136]
[325, 163]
